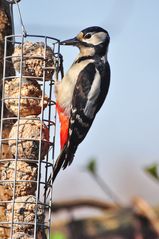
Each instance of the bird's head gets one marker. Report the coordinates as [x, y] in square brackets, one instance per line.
[90, 41]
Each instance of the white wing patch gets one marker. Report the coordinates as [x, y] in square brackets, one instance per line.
[92, 96]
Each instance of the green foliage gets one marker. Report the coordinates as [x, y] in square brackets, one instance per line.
[92, 166]
[58, 235]
[153, 170]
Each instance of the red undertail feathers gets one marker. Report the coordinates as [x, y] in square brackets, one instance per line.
[64, 121]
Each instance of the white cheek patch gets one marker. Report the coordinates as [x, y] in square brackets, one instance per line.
[97, 38]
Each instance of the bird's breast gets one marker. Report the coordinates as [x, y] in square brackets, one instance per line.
[65, 88]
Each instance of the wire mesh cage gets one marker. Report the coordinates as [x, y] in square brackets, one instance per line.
[27, 135]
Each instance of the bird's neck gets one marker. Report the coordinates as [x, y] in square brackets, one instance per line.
[94, 51]
[86, 51]
[89, 54]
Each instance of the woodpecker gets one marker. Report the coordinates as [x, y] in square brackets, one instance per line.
[82, 91]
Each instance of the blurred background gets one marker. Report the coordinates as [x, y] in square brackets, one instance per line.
[124, 137]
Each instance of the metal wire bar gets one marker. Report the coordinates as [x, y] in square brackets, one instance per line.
[17, 139]
[47, 206]
[45, 120]
[44, 164]
[49, 164]
[20, 17]
[40, 146]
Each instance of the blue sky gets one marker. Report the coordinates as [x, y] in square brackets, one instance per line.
[125, 135]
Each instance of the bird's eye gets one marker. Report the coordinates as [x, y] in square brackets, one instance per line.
[87, 36]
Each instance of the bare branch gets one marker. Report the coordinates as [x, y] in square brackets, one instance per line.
[71, 204]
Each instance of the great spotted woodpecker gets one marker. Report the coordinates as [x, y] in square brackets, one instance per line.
[82, 91]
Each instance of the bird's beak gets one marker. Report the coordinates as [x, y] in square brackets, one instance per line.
[70, 42]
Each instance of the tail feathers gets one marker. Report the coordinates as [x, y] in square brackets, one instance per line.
[59, 163]
[69, 156]
[64, 159]
[56, 168]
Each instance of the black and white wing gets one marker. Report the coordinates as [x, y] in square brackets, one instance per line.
[89, 94]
